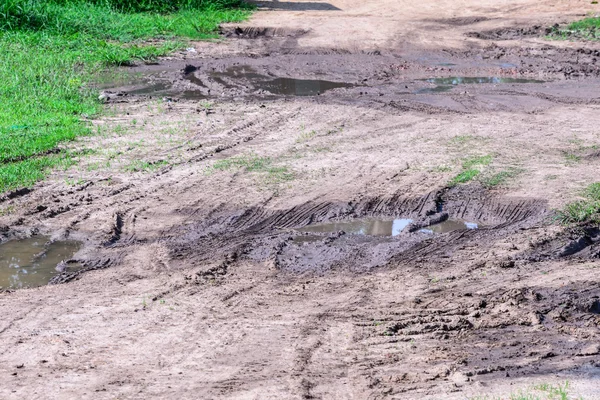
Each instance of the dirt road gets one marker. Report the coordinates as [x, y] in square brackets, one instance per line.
[197, 282]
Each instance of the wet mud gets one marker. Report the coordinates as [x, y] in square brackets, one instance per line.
[283, 224]
[357, 236]
[492, 78]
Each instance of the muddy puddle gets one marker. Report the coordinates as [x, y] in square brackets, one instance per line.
[446, 84]
[195, 83]
[235, 75]
[379, 227]
[34, 261]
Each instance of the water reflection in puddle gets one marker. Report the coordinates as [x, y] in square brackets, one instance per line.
[379, 227]
[450, 225]
[446, 84]
[300, 87]
[33, 262]
[461, 80]
[371, 227]
[241, 77]
[280, 86]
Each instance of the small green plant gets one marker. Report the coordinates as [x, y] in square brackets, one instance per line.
[442, 168]
[500, 178]
[586, 29]
[539, 392]
[471, 168]
[142, 166]
[585, 210]
[477, 161]
[250, 163]
[461, 139]
[306, 136]
[6, 210]
[572, 158]
[464, 177]
[272, 174]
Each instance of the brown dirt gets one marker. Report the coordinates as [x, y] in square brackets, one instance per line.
[194, 285]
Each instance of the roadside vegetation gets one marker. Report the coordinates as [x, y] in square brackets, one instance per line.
[588, 29]
[51, 52]
[585, 210]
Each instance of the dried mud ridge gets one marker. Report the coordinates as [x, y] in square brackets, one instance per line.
[514, 33]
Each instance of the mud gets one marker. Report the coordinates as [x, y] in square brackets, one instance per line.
[271, 215]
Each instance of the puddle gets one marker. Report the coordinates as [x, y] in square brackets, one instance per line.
[461, 80]
[450, 225]
[32, 262]
[371, 227]
[435, 89]
[237, 72]
[151, 89]
[238, 77]
[300, 87]
[280, 86]
[379, 227]
[446, 84]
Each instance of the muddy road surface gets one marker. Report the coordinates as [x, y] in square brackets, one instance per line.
[338, 200]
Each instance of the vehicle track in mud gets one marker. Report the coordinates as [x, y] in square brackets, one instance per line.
[194, 280]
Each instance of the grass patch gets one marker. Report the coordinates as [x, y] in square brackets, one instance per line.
[587, 29]
[471, 168]
[306, 136]
[539, 392]
[500, 178]
[50, 53]
[585, 210]
[477, 161]
[144, 166]
[464, 177]
[271, 174]
[571, 158]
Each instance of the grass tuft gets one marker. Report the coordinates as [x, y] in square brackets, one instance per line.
[538, 392]
[465, 176]
[585, 210]
[586, 29]
[272, 174]
[471, 168]
[500, 178]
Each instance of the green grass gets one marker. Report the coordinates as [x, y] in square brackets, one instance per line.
[271, 174]
[587, 29]
[471, 168]
[52, 51]
[477, 161]
[539, 392]
[585, 210]
[500, 178]
[143, 166]
[465, 176]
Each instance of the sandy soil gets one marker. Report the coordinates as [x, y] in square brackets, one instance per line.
[187, 200]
